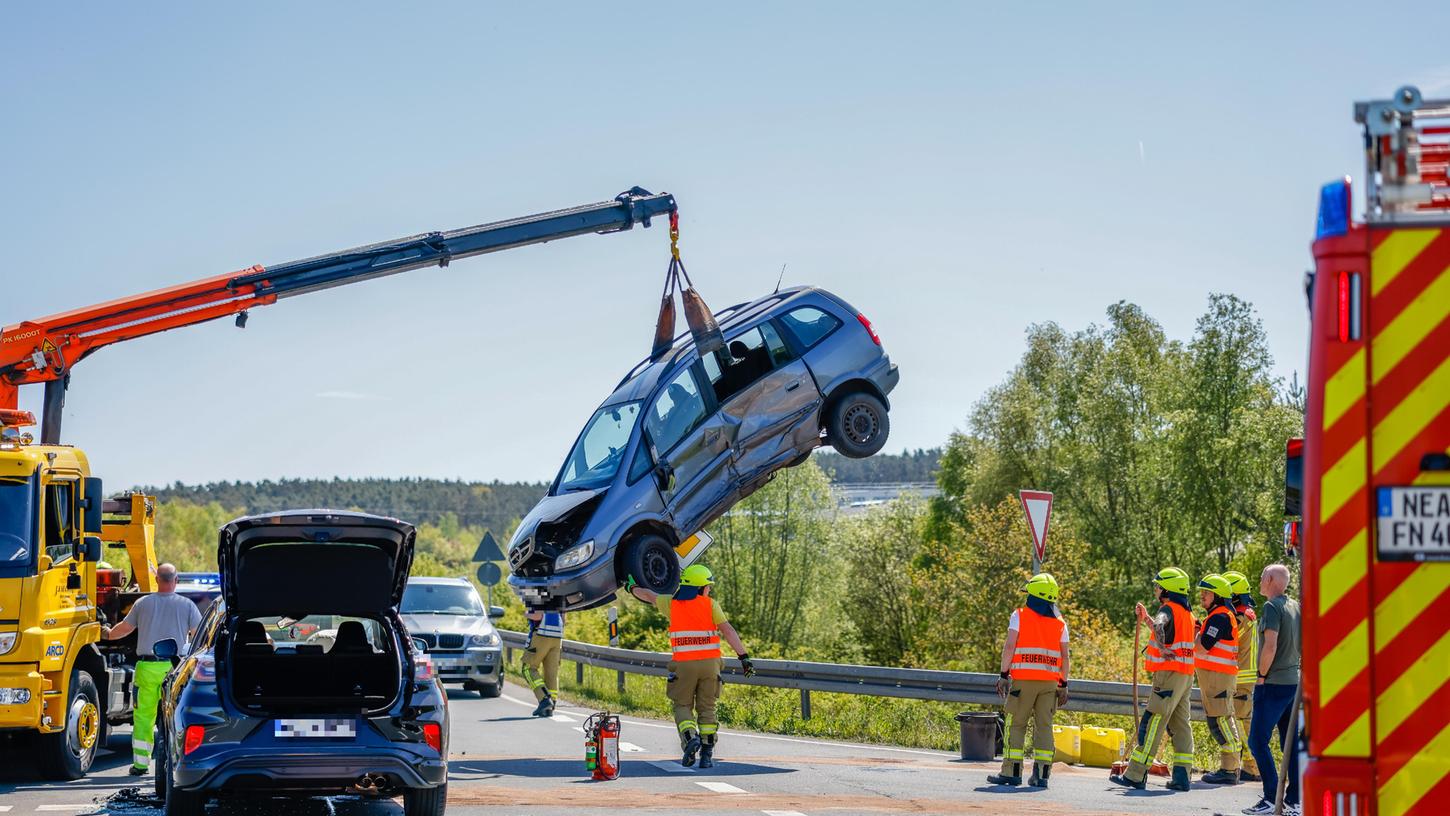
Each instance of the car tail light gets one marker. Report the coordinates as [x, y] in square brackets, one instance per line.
[869, 329]
[433, 735]
[205, 671]
[193, 738]
[423, 669]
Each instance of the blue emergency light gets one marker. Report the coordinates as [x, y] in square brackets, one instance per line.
[1333, 209]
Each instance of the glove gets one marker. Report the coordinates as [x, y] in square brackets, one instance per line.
[1002, 685]
[1061, 695]
[747, 667]
[629, 583]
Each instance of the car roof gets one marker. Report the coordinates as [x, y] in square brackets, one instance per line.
[642, 379]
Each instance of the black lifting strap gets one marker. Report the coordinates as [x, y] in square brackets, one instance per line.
[703, 328]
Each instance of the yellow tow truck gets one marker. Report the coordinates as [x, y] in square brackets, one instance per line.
[61, 687]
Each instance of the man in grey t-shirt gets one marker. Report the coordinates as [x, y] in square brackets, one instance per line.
[155, 617]
[1278, 680]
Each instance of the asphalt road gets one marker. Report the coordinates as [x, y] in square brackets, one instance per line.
[506, 762]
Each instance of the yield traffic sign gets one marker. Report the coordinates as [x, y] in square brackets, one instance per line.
[488, 549]
[1037, 504]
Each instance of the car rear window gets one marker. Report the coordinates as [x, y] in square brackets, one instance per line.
[809, 324]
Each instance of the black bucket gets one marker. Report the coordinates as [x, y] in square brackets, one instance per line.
[979, 735]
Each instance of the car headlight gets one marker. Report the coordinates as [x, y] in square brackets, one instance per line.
[486, 639]
[7, 641]
[574, 556]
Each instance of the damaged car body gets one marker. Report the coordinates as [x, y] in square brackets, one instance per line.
[685, 436]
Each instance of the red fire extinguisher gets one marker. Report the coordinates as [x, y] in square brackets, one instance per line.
[601, 745]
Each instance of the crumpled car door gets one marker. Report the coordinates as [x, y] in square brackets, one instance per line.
[777, 417]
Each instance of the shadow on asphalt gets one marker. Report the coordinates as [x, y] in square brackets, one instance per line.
[508, 719]
[131, 802]
[24, 774]
[574, 768]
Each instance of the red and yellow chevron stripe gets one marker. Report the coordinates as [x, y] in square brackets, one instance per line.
[1408, 383]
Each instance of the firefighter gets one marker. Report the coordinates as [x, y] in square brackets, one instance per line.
[1168, 659]
[1216, 663]
[541, 658]
[1248, 622]
[696, 625]
[1033, 680]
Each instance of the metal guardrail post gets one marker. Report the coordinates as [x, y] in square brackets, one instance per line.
[579, 672]
[805, 704]
[621, 681]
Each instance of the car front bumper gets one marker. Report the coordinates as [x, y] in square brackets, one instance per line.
[483, 664]
[570, 592]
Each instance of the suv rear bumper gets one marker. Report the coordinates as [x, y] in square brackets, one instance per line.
[335, 769]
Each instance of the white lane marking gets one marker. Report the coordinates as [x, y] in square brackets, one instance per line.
[824, 743]
[74, 808]
[518, 701]
[720, 787]
[782, 813]
[630, 748]
[5, 808]
[672, 767]
[565, 718]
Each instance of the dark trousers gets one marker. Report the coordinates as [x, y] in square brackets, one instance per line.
[1274, 708]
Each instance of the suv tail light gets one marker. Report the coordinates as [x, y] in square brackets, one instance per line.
[869, 329]
[433, 735]
[192, 740]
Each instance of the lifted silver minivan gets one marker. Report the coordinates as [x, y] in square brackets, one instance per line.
[684, 437]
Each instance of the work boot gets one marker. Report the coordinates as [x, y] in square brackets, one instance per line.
[135, 771]
[1040, 772]
[1122, 779]
[707, 756]
[1180, 781]
[1220, 777]
[1002, 779]
[692, 747]
[1246, 775]
[546, 707]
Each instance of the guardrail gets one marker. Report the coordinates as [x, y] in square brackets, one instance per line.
[1094, 696]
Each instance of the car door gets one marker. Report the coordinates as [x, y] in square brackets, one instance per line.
[690, 439]
[771, 398]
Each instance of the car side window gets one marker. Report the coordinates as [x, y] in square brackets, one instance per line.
[744, 359]
[60, 520]
[676, 412]
[779, 351]
[809, 324]
[641, 465]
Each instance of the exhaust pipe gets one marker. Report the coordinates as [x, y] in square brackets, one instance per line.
[371, 783]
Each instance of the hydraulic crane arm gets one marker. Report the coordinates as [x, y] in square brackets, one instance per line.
[44, 350]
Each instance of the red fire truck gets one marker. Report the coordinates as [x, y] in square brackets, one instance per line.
[1376, 477]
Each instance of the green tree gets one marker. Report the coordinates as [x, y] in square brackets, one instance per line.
[879, 551]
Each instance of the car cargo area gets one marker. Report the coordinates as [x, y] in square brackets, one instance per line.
[308, 664]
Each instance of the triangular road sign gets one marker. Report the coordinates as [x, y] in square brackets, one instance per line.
[1037, 504]
[488, 549]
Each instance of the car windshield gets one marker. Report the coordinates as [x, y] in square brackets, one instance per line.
[16, 517]
[596, 456]
[441, 599]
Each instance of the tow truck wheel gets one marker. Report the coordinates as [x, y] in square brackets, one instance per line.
[68, 754]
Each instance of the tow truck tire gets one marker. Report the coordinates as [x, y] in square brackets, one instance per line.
[425, 801]
[180, 802]
[857, 425]
[68, 754]
[653, 563]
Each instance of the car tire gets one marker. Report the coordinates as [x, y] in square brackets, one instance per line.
[160, 755]
[653, 563]
[68, 754]
[858, 425]
[180, 802]
[486, 690]
[425, 801]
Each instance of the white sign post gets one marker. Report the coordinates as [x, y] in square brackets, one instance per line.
[1037, 504]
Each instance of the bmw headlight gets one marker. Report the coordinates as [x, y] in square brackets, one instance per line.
[574, 556]
[7, 641]
[485, 639]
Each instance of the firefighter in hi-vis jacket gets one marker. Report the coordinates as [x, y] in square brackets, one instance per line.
[1033, 681]
[1216, 662]
[1169, 661]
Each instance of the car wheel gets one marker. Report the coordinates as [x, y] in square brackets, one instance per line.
[858, 425]
[486, 690]
[425, 801]
[163, 767]
[653, 563]
[69, 753]
[180, 802]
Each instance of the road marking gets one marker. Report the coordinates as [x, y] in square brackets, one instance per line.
[720, 787]
[782, 813]
[562, 718]
[630, 748]
[672, 767]
[825, 743]
[5, 808]
[74, 808]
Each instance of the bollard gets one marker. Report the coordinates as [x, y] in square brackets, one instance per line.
[805, 704]
[508, 655]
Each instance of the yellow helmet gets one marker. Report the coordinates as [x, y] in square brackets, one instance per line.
[1217, 584]
[696, 575]
[1042, 585]
[1238, 582]
[1172, 579]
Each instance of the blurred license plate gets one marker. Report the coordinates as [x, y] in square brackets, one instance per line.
[331, 728]
[1414, 523]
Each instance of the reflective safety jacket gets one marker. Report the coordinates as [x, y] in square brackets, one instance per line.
[551, 626]
[1224, 656]
[1248, 635]
[1039, 647]
[1178, 656]
[693, 633]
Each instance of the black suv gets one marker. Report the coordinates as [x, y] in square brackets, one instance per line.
[261, 703]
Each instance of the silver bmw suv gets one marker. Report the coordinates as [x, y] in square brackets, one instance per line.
[447, 615]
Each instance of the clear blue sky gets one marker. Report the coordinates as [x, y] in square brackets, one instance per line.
[956, 172]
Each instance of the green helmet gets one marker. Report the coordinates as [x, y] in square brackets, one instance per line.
[1217, 584]
[1042, 585]
[1238, 582]
[696, 575]
[1172, 579]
